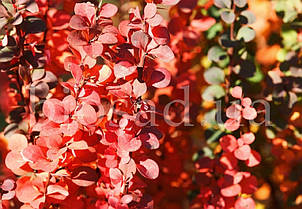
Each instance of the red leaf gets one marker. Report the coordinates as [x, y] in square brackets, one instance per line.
[249, 113]
[108, 10]
[245, 203]
[148, 168]
[237, 92]
[78, 23]
[243, 152]
[254, 159]
[231, 191]
[161, 35]
[86, 115]
[228, 143]
[17, 142]
[249, 185]
[160, 78]
[150, 10]
[163, 52]
[228, 160]
[232, 124]
[150, 140]
[84, 176]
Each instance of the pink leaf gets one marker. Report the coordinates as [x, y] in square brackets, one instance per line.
[33, 153]
[150, 10]
[243, 152]
[203, 24]
[86, 115]
[245, 203]
[107, 38]
[231, 191]
[86, 10]
[140, 40]
[249, 113]
[53, 189]
[116, 176]
[78, 23]
[156, 20]
[8, 185]
[54, 111]
[123, 69]
[163, 52]
[148, 168]
[234, 111]
[139, 88]
[17, 142]
[254, 159]
[170, 2]
[94, 49]
[232, 124]
[237, 92]
[69, 129]
[77, 73]
[246, 102]
[78, 145]
[228, 143]
[248, 138]
[69, 103]
[108, 10]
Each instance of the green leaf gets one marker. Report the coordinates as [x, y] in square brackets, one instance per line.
[258, 77]
[223, 3]
[290, 38]
[240, 3]
[246, 33]
[249, 17]
[214, 75]
[216, 53]
[213, 92]
[212, 32]
[228, 16]
[6, 54]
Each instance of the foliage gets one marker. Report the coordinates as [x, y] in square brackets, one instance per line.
[151, 104]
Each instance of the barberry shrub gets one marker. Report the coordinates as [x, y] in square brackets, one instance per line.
[151, 104]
